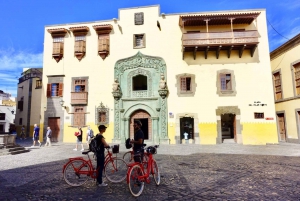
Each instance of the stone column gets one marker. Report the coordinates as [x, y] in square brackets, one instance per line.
[155, 132]
[126, 129]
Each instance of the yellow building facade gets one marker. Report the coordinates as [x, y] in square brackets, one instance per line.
[285, 62]
[192, 78]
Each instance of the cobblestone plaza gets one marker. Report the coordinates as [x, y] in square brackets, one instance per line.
[188, 172]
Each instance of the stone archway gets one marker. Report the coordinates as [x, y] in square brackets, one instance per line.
[145, 119]
[238, 128]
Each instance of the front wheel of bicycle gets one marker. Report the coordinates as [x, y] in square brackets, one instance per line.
[128, 157]
[73, 173]
[155, 172]
[115, 170]
[136, 184]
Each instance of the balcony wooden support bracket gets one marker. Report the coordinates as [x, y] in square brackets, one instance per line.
[206, 52]
[103, 54]
[241, 50]
[79, 55]
[218, 51]
[57, 57]
[253, 50]
[229, 51]
[183, 51]
[195, 52]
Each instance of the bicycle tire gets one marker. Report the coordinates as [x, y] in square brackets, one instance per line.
[135, 185]
[128, 157]
[115, 170]
[76, 179]
[155, 172]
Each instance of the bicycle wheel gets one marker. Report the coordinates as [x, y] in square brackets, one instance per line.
[115, 170]
[74, 178]
[136, 186]
[127, 157]
[155, 172]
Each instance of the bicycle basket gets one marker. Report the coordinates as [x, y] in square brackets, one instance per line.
[115, 149]
[151, 150]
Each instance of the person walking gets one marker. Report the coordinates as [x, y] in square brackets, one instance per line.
[138, 141]
[100, 154]
[89, 135]
[22, 135]
[79, 139]
[36, 133]
[48, 137]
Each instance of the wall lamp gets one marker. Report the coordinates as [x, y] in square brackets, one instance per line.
[61, 102]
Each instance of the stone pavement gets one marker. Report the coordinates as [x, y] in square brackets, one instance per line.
[189, 172]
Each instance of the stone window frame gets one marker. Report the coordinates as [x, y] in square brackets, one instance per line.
[134, 73]
[190, 93]
[135, 41]
[231, 92]
[101, 108]
[139, 18]
[294, 65]
[85, 78]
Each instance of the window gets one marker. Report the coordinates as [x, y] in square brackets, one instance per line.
[55, 90]
[185, 84]
[58, 45]
[38, 84]
[226, 85]
[277, 86]
[79, 116]
[139, 18]
[2, 116]
[225, 80]
[139, 82]
[58, 42]
[20, 121]
[139, 41]
[79, 85]
[20, 104]
[102, 115]
[79, 44]
[297, 78]
[258, 115]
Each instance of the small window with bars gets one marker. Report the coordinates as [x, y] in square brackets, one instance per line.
[258, 115]
[185, 84]
[58, 39]
[139, 41]
[79, 38]
[38, 84]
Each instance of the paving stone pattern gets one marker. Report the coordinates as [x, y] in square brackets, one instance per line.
[186, 175]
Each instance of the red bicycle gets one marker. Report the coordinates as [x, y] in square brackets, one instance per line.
[137, 174]
[77, 170]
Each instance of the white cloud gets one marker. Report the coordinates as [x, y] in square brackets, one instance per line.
[10, 59]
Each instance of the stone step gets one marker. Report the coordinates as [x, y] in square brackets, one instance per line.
[13, 149]
[228, 141]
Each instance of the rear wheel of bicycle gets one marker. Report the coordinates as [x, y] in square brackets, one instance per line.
[72, 173]
[136, 185]
[128, 157]
[115, 170]
[155, 172]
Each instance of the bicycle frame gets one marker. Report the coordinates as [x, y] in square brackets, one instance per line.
[145, 174]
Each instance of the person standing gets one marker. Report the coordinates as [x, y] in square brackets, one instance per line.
[48, 137]
[100, 154]
[79, 139]
[138, 141]
[36, 133]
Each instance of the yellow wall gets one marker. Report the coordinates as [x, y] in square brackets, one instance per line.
[208, 133]
[259, 133]
[171, 132]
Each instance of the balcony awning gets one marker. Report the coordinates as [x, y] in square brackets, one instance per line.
[104, 28]
[79, 30]
[218, 19]
[58, 32]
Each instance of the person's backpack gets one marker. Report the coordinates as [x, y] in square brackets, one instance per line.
[94, 146]
[92, 133]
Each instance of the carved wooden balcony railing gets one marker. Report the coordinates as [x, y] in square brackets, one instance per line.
[193, 42]
[79, 98]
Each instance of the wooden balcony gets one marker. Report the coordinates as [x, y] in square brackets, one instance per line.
[79, 98]
[217, 41]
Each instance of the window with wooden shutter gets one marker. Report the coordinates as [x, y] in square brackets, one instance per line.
[139, 18]
[79, 117]
[58, 45]
[185, 83]
[58, 42]
[297, 78]
[55, 89]
[277, 85]
[103, 44]
[225, 80]
[48, 90]
[60, 89]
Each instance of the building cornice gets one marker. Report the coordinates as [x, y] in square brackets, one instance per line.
[285, 47]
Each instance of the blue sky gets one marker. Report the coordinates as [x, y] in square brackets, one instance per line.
[22, 24]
